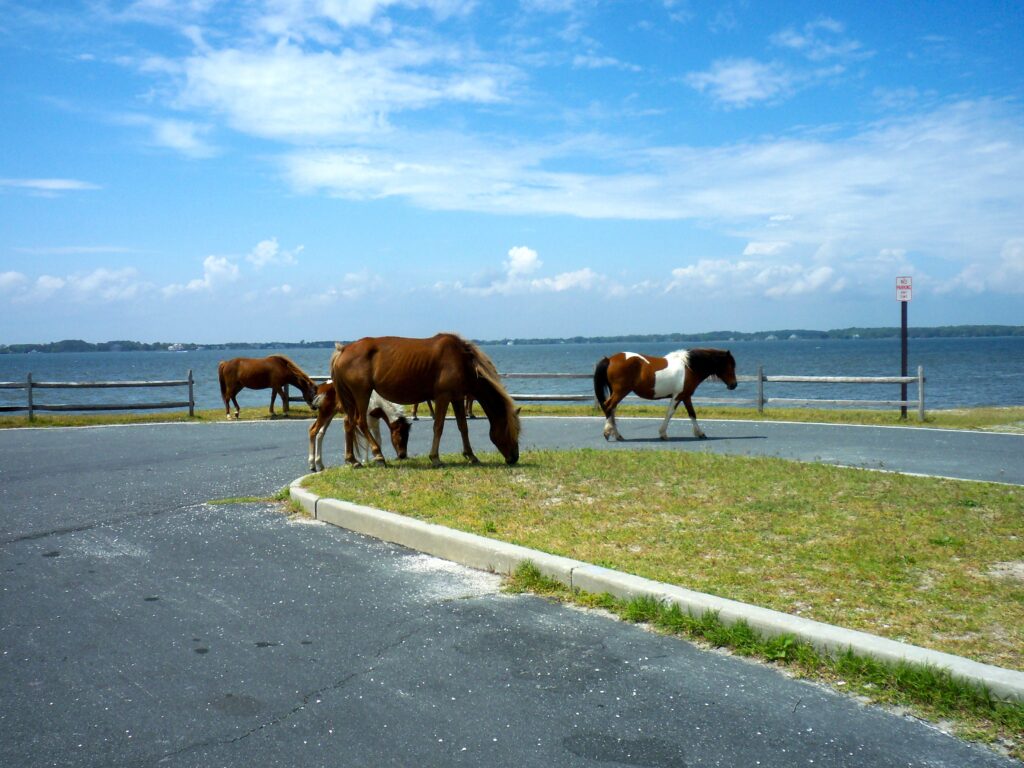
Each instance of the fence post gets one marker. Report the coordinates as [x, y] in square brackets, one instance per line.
[28, 389]
[920, 393]
[760, 389]
[191, 396]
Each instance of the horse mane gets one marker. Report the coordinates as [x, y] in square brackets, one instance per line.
[489, 391]
[708, 360]
[297, 372]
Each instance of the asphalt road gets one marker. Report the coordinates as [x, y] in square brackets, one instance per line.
[142, 626]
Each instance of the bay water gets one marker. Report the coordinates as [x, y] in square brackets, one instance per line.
[959, 372]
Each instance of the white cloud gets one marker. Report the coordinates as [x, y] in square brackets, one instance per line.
[593, 61]
[742, 82]
[10, 281]
[1003, 275]
[584, 279]
[764, 248]
[183, 136]
[820, 40]
[45, 287]
[49, 186]
[269, 252]
[722, 277]
[522, 261]
[107, 284]
[948, 182]
[217, 270]
[285, 92]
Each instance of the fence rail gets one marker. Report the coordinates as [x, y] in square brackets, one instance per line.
[32, 406]
[760, 400]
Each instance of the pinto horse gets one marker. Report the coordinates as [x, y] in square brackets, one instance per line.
[444, 368]
[275, 372]
[676, 375]
[326, 404]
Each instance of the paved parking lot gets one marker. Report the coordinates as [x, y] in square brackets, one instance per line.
[140, 625]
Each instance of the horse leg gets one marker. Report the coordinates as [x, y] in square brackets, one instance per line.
[609, 406]
[350, 427]
[364, 428]
[284, 398]
[439, 409]
[273, 397]
[373, 423]
[234, 399]
[316, 441]
[697, 431]
[663, 430]
[458, 405]
[314, 432]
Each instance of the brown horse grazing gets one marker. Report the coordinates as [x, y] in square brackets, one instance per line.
[444, 368]
[676, 375]
[275, 372]
[326, 404]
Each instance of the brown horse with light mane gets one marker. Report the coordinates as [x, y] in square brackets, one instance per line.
[444, 368]
[275, 372]
[676, 376]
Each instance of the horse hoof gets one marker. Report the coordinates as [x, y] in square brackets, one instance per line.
[472, 459]
[663, 436]
[435, 462]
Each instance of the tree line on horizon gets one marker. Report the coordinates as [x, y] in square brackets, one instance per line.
[942, 331]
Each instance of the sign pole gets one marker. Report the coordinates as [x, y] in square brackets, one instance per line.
[904, 286]
[903, 358]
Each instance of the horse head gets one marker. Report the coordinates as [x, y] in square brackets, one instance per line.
[504, 433]
[400, 436]
[726, 370]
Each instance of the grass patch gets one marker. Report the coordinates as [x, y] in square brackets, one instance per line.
[930, 693]
[61, 419]
[282, 495]
[921, 560]
[1009, 419]
[1002, 419]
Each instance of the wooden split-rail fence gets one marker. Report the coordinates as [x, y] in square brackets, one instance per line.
[760, 399]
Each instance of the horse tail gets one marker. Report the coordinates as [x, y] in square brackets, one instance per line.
[602, 389]
[223, 384]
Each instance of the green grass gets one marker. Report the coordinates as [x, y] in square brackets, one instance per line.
[1009, 419]
[60, 419]
[914, 559]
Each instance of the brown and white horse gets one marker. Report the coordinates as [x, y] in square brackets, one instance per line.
[327, 406]
[275, 372]
[676, 376]
[444, 368]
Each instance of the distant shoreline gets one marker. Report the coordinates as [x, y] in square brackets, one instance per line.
[943, 331]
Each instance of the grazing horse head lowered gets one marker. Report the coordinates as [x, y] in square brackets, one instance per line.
[444, 368]
[675, 376]
[275, 372]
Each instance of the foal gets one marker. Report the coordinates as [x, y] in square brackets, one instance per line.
[326, 403]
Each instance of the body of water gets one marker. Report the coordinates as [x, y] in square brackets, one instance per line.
[959, 372]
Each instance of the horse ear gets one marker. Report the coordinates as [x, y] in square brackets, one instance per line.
[520, 408]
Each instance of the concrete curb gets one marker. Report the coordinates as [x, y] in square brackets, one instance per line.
[498, 557]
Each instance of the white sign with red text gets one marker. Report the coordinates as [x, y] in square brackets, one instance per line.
[903, 288]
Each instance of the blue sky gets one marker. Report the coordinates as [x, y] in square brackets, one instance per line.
[212, 171]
